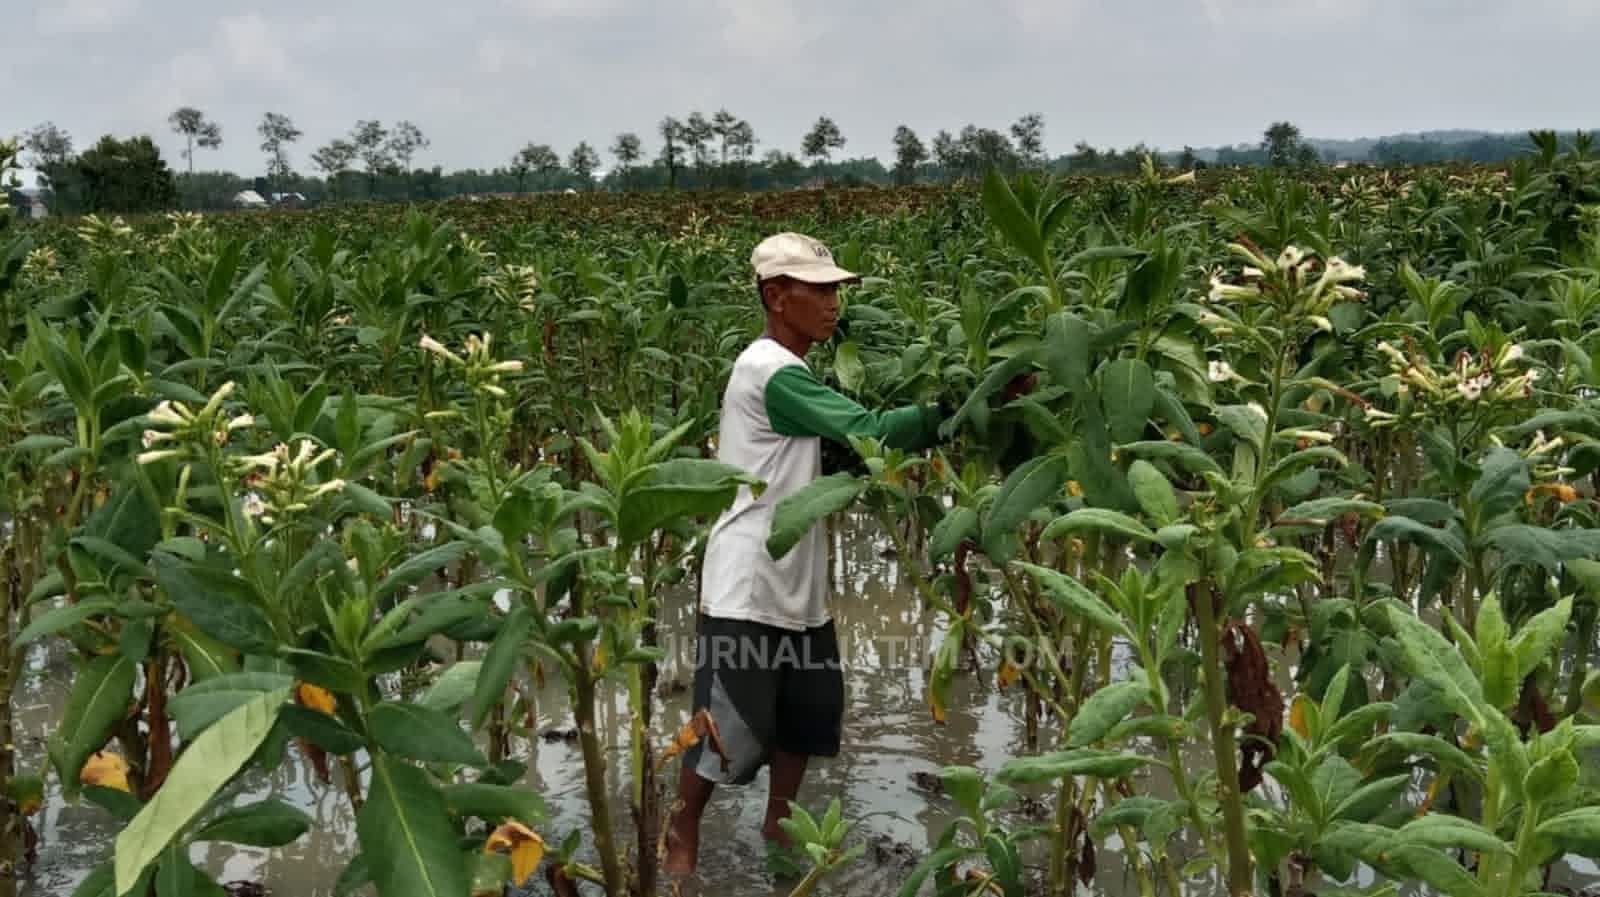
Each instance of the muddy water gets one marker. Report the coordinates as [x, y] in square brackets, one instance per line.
[889, 739]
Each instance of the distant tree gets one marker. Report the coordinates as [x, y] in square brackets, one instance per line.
[908, 154]
[742, 139]
[722, 125]
[947, 154]
[983, 148]
[1028, 132]
[671, 131]
[192, 124]
[334, 160]
[277, 132]
[627, 151]
[50, 151]
[405, 141]
[124, 176]
[1188, 161]
[820, 142]
[697, 134]
[1282, 144]
[545, 162]
[370, 139]
[522, 165]
[783, 167]
[582, 163]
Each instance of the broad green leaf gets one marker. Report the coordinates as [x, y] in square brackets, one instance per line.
[1075, 762]
[418, 566]
[270, 823]
[56, 619]
[1501, 483]
[1247, 423]
[848, 368]
[407, 840]
[1448, 756]
[1435, 867]
[453, 688]
[1015, 223]
[1130, 811]
[1154, 493]
[1104, 709]
[1128, 395]
[204, 767]
[205, 657]
[795, 515]
[499, 662]
[1032, 486]
[1188, 457]
[1372, 798]
[217, 602]
[494, 803]
[102, 694]
[322, 730]
[1576, 830]
[1519, 543]
[203, 703]
[1440, 663]
[1540, 636]
[1443, 832]
[1551, 775]
[1099, 520]
[1323, 511]
[959, 524]
[1073, 596]
[418, 733]
[965, 786]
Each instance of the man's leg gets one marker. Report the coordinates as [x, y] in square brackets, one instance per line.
[787, 772]
[683, 843]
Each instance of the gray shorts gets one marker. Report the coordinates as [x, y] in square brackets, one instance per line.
[768, 689]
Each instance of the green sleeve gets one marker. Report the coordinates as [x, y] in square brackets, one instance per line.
[798, 404]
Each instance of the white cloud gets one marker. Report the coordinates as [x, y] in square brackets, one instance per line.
[256, 47]
[85, 15]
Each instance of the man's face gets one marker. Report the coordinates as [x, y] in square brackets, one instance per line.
[810, 309]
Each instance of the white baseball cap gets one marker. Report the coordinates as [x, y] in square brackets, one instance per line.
[799, 256]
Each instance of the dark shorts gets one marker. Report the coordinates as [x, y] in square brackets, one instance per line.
[769, 689]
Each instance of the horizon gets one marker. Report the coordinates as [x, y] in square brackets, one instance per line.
[486, 77]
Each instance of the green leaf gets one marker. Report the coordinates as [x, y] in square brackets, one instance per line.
[203, 703]
[848, 368]
[1028, 488]
[1128, 395]
[494, 803]
[1519, 543]
[1154, 492]
[100, 698]
[936, 862]
[66, 616]
[415, 568]
[407, 840]
[499, 662]
[1099, 520]
[1303, 460]
[205, 657]
[1434, 867]
[1246, 422]
[1502, 481]
[1540, 636]
[1404, 529]
[320, 729]
[1447, 755]
[1440, 663]
[416, 732]
[795, 515]
[1444, 832]
[1014, 222]
[1320, 512]
[1066, 350]
[1075, 762]
[270, 823]
[1577, 831]
[959, 524]
[1105, 709]
[1372, 798]
[965, 786]
[204, 767]
[679, 489]
[1188, 457]
[454, 687]
[216, 603]
[1554, 774]
[1072, 596]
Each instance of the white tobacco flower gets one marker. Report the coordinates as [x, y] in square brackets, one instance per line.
[166, 413]
[241, 422]
[1290, 257]
[1219, 372]
[437, 348]
[1251, 273]
[158, 455]
[253, 505]
[1512, 353]
[1317, 436]
[151, 437]
[325, 488]
[1322, 323]
[505, 367]
[1470, 389]
[493, 390]
[1375, 415]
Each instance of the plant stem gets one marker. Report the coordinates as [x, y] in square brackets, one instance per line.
[1222, 742]
[594, 768]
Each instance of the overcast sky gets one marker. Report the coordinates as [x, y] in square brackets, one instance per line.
[484, 77]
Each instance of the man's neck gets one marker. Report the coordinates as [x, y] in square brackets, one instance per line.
[788, 339]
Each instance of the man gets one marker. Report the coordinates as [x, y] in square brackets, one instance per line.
[768, 665]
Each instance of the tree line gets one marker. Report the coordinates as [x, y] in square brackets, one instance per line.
[379, 162]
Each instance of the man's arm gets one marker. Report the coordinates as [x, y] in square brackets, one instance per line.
[798, 404]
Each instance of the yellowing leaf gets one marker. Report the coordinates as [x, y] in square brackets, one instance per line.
[1074, 489]
[600, 658]
[1297, 715]
[525, 845]
[1008, 673]
[936, 705]
[316, 697]
[106, 770]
